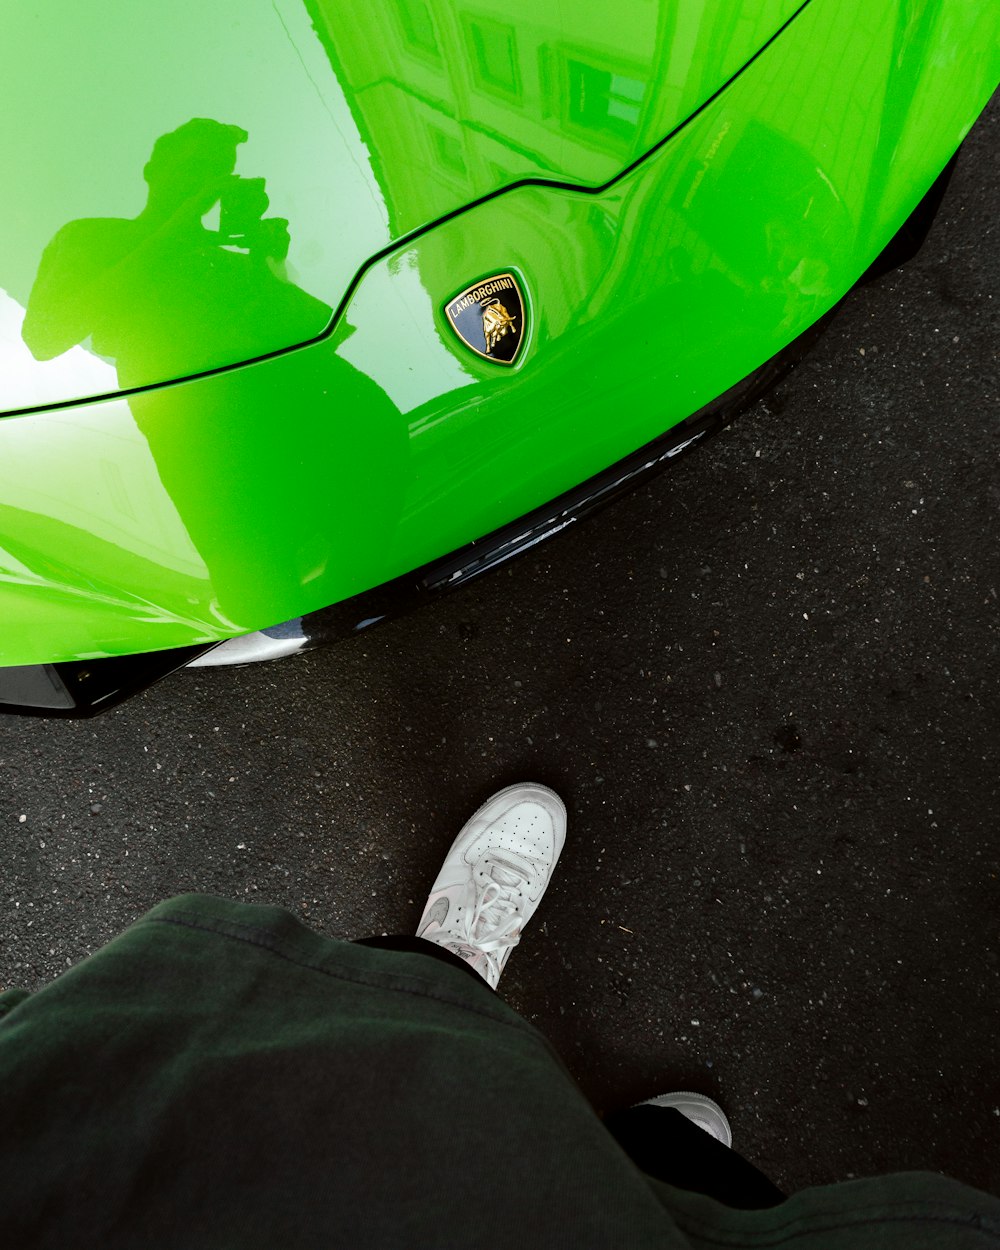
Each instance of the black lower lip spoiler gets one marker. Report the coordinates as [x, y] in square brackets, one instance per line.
[447, 573]
[81, 688]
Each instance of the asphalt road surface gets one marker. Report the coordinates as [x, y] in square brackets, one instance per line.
[766, 686]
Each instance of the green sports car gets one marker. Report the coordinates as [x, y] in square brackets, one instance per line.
[309, 310]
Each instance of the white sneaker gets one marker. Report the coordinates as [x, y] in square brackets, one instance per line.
[704, 1112]
[494, 875]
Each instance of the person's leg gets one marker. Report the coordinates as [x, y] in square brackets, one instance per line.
[668, 1146]
[488, 888]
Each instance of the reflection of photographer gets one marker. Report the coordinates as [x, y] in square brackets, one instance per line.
[242, 205]
[195, 282]
[164, 294]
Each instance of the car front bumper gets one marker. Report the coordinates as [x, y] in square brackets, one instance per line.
[176, 517]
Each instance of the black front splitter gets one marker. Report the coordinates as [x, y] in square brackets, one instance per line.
[82, 688]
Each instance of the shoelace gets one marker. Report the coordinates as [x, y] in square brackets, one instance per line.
[492, 926]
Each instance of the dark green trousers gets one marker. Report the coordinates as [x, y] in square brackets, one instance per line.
[221, 1076]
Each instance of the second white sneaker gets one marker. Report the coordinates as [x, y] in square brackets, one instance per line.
[700, 1110]
[494, 875]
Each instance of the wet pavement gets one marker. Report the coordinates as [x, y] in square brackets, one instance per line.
[766, 686]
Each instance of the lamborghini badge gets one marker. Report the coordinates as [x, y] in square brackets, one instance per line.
[489, 318]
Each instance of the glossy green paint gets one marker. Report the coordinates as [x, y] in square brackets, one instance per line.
[204, 193]
[211, 507]
[459, 99]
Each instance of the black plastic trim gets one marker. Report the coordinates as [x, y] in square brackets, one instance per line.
[82, 688]
[407, 593]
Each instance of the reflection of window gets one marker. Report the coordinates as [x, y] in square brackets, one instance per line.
[598, 98]
[418, 29]
[494, 55]
[447, 149]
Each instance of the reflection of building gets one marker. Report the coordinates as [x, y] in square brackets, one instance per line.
[455, 100]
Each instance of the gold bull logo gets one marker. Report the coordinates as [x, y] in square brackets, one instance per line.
[490, 317]
[497, 322]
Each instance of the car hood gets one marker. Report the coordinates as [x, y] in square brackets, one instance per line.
[198, 186]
